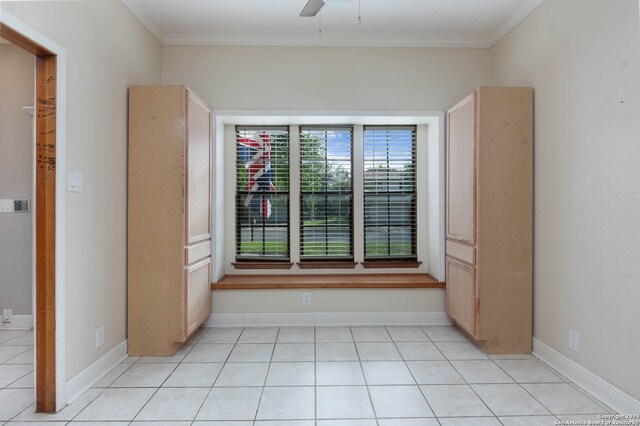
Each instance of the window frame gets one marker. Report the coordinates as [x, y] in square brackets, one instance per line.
[413, 257]
[328, 259]
[239, 194]
[430, 175]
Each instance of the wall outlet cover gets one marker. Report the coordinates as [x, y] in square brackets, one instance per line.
[574, 341]
[6, 315]
[306, 298]
[99, 337]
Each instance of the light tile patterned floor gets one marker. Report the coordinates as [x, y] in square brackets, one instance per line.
[308, 376]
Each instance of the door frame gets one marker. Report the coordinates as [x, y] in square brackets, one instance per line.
[49, 208]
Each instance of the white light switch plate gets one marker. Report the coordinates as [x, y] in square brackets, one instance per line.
[6, 206]
[74, 182]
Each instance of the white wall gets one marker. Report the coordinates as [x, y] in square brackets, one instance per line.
[583, 60]
[327, 79]
[108, 49]
[17, 69]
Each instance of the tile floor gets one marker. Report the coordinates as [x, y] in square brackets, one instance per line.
[308, 376]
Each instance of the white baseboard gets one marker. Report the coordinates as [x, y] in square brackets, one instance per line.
[328, 318]
[18, 322]
[83, 381]
[616, 399]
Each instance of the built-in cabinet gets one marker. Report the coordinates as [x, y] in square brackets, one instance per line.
[169, 218]
[489, 217]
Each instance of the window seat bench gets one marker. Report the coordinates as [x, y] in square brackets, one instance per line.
[335, 281]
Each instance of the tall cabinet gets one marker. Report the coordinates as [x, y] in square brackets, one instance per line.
[489, 217]
[169, 218]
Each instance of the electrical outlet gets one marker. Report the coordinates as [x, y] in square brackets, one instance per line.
[99, 337]
[306, 298]
[574, 341]
[6, 315]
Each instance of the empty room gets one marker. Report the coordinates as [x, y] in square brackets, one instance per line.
[319, 212]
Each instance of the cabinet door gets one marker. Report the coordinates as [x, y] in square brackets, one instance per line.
[198, 170]
[461, 295]
[461, 171]
[198, 295]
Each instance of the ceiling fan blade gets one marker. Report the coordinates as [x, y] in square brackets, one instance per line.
[312, 8]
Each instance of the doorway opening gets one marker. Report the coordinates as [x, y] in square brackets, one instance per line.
[44, 208]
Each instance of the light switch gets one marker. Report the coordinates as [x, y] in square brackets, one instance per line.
[74, 181]
[6, 206]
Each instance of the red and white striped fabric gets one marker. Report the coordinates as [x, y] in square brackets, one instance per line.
[260, 174]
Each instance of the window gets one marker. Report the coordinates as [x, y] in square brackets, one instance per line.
[353, 198]
[326, 193]
[390, 192]
[262, 193]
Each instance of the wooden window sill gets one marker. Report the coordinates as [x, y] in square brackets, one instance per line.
[391, 264]
[339, 281]
[321, 264]
[262, 265]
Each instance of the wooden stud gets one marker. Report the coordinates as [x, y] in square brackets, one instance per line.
[21, 41]
[45, 233]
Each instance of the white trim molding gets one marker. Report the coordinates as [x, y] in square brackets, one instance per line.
[83, 381]
[18, 322]
[615, 398]
[144, 19]
[207, 40]
[328, 318]
[527, 7]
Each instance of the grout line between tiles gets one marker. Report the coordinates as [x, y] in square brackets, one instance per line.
[315, 378]
[273, 349]
[217, 375]
[366, 384]
[413, 377]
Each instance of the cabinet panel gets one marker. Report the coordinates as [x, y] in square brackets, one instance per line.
[461, 251]
[198, 251]
[461, 295]
[198, 170]
[198, 295]
[461, 171]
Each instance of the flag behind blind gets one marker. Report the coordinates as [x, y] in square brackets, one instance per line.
[256, 154]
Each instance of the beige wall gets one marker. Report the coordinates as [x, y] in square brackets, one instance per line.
[107, 49]
[583, 59]
[327, 79]
[16, 177]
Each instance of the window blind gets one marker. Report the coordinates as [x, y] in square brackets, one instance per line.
[262, 193]
[390, 192]
[326, 193]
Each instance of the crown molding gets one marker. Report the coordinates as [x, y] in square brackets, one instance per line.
[204, 40]
[527, 7]
[144, 19]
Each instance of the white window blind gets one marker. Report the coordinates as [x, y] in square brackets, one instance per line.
[390, 192]
[326, 193]
[262, 193]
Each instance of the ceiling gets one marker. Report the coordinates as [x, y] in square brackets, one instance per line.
[401, 23]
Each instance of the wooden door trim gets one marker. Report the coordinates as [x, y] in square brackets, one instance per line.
[49, 259]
